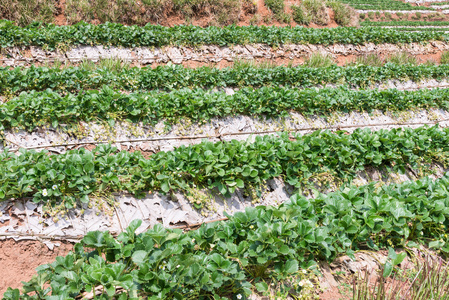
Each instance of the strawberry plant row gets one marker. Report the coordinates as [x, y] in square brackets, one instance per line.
[440, 29]
[405, 23]
[384, 5]
[19, 79]
[34, 109]
[226, 260]
[226, 166]
[112, 34]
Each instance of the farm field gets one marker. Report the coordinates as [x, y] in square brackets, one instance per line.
[224, 149]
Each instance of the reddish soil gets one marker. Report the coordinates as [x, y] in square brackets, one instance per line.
[421, 58]
[60, 18]
[341, 60]
[18, 260]
[332, 294]
[261, 16]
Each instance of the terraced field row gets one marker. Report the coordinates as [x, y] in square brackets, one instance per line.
[165, 78]
[216, 259]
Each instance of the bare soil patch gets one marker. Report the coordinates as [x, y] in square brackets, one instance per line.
[18, 260]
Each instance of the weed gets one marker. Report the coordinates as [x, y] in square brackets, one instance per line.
[112, 64]
[276, 6]
[373, 60]
[122, 11]
[343, 14]
[430, 282]
[430, 62]
[283, 17]
[402, 58]
[445, 57]
[370, 15]
[300, 16]
[308, 11]
[25, 12]
[317, 10]
[318, 60]
[255, 19]
[131, 12]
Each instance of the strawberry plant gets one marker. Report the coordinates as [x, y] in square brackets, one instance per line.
[112, 34]
[34, 109]
[225, 260]
[300, 160]
[74, 79]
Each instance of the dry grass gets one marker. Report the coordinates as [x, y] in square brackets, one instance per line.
[25, 12]
[344, 15]
[141, 12]
[316, 11]
[430, 280]
[223, 12]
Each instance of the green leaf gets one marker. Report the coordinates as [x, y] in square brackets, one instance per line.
[399, 258]
[139, 257]
[165, 187]
[240, 183]
[436, 244]
[284, 249]
[261, 287]
[291, 266]
[84, 199]
[110, 290]
[89, 167]
[388, 268]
